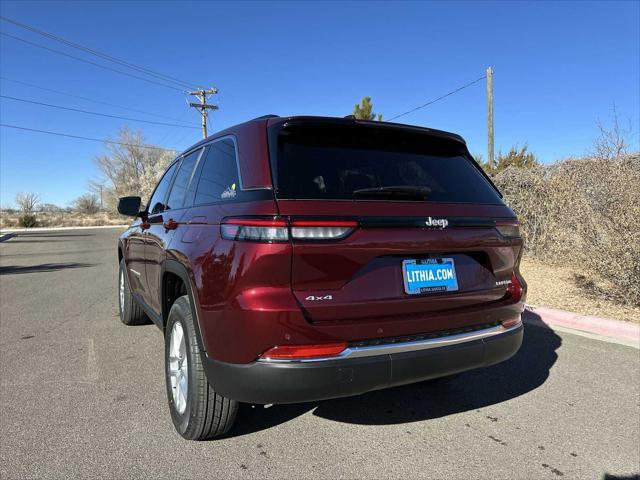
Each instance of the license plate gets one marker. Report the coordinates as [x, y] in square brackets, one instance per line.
[429, 275]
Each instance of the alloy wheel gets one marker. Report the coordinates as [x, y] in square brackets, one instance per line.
[178, 367]
[121, 290]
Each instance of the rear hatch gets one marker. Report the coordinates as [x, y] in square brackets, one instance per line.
[393, 222]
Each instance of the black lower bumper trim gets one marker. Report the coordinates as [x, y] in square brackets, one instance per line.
[265, 383]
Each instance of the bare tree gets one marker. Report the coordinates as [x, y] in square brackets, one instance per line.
[27, 201]
[87, 203]
[614, 141]
[130, 168]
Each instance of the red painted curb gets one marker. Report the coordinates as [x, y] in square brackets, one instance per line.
[587, 323]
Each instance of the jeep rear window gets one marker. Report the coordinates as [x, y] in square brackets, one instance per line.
[332, 161]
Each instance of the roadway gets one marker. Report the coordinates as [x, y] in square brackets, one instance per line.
[82, 395]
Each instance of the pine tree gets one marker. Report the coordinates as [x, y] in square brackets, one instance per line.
[364, 110]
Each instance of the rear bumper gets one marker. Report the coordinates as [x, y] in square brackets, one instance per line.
[362, 370]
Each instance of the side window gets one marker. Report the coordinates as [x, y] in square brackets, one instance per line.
[156, 204]
[183, 178]
[219, 178]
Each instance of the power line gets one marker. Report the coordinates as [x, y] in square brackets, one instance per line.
[34, 44]
[151, 147]
[172, 130]
[88, 99]
[104, 56]
[437, 99]
[95, 113]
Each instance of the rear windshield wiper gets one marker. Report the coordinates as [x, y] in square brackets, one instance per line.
[406, 192]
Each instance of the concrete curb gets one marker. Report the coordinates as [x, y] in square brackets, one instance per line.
[52, 229]
[626, 332]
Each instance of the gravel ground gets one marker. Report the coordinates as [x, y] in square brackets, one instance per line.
[553, 286]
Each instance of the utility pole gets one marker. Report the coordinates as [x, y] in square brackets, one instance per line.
[203, 106]
[490, 116]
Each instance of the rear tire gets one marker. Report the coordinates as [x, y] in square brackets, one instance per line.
[199, 413]
[130, 312]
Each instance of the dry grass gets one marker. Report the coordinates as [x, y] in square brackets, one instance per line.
[584, 213]
[64, 219]
[556, 286]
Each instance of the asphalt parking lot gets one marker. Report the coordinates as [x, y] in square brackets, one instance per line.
[82, 395]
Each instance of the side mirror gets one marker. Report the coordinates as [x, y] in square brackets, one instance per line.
[129, 206]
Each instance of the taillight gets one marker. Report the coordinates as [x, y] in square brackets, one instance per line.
[300, 352]
[322, 229]
[254, 229]
[509, 230]
[276, 229]
[514, 289]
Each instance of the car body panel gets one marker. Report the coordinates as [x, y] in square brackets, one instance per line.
[249, 297]
[134, 257]
[157, 240]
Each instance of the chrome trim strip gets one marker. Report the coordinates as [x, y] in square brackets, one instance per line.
[389, 348]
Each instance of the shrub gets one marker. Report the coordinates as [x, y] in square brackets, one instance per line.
[50, 207]
[519, 157]
[87, 203]
[584, 212]
[28, 221]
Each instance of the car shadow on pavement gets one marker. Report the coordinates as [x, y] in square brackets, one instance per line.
[45, 267]
[524, 372]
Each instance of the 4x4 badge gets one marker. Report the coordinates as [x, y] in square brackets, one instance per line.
[314, 298]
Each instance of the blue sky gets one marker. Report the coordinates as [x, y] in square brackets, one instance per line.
[559, 67]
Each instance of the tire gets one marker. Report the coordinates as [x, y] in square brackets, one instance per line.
[130, 312]
[201, 413]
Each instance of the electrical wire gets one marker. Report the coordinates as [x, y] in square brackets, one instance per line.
[34, 44]
[437, 99]
[96, 113]
[6, 125]
[102, 55]
[88, 99]
[170, 131]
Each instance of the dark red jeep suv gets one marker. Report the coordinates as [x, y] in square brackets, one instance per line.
[293, 259]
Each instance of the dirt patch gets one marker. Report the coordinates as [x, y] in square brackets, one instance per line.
[573, 290]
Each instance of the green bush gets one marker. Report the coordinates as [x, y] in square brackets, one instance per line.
[28, 221]
[517, 157]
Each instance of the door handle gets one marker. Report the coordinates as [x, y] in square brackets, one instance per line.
[170, 224]
[150, 220]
